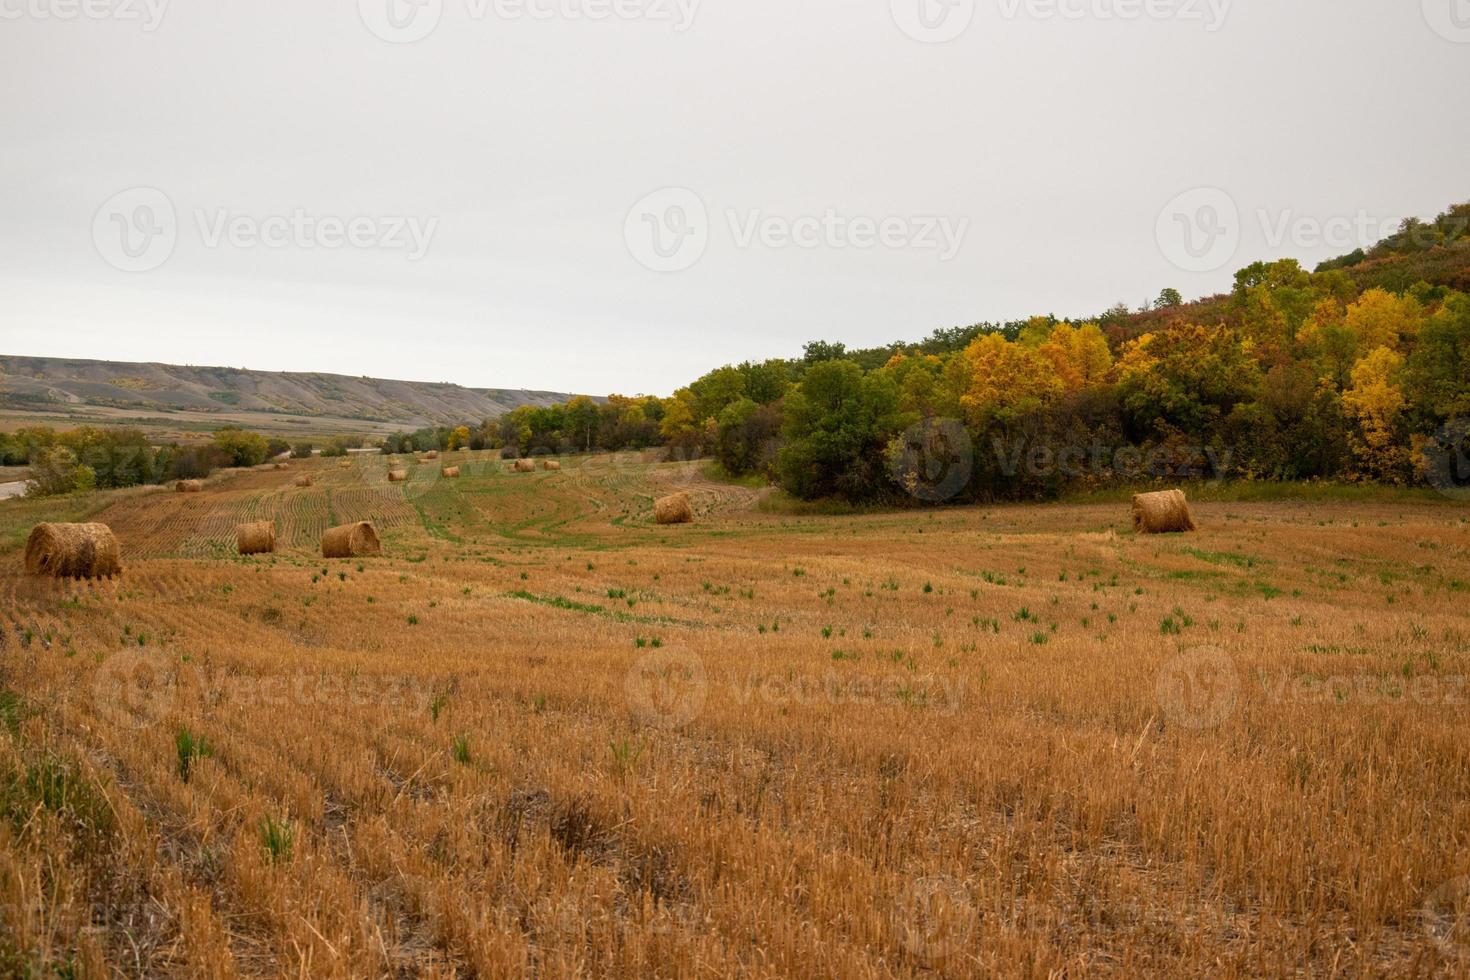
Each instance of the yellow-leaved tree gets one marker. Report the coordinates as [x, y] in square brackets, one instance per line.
[1006, 380]
[1079, 356]
[1376, 401]
[1381, 319]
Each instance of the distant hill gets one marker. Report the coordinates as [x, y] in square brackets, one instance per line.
[51, 383]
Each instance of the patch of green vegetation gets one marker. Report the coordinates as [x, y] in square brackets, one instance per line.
[1226, 558]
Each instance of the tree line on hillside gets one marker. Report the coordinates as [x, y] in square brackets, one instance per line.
[1293, 375]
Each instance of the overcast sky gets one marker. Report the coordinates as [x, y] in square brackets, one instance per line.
[618, 195]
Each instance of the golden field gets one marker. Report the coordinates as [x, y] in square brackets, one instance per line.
[543, 736]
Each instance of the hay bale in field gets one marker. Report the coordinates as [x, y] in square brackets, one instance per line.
[551, 464]
[358, 540]
[673, 509]
[283, 466]
[450, 472]
[397, 476]
[346, 464]
[525, 466]
[189, 486]
[73, 551]
[432, 454]
[1166, 512]
[256, 539]
[304, 480]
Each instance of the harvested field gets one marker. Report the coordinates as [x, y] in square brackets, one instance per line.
[544, 736]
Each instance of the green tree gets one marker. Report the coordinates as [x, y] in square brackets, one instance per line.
[837, 423]
[1168, 298]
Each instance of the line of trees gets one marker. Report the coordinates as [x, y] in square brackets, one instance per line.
[87, 458]
[1293, 375]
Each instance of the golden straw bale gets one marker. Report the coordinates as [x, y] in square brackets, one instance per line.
[304, 480]
[256, 539]
[450, 472]
[551, 464]
[358, 540]
[432, 454]
[189, 486]
[525, 466]
[1166, 512]
[674, 509]
[397, 476]
[73, 551]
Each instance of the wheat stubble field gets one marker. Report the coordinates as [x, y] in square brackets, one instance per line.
[543, 736]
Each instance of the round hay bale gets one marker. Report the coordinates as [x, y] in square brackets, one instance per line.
[673, 509]
[283, 466]
[525, 466]
[450, 472]
[432, 454]
[551, 464]
[304, 480]
[189, 486]
[256, 539]
[1166, 512]
[73, 551]
[397, 476]
[358, 540]
[346, 464]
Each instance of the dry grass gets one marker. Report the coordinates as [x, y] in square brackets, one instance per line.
[1016, 741]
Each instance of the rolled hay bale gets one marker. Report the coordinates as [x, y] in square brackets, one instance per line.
[304, 480]
[346, 464]
[525, 466]
[432, 454]
[397, 476]
[256, 539]
[551, 464]
[283, 466]
[189, 486]
[450, 472]
[674, 509]
[1166, 512]
[73, 551]
[358, 540]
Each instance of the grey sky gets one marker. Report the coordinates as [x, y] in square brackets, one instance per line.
[1049, 135]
